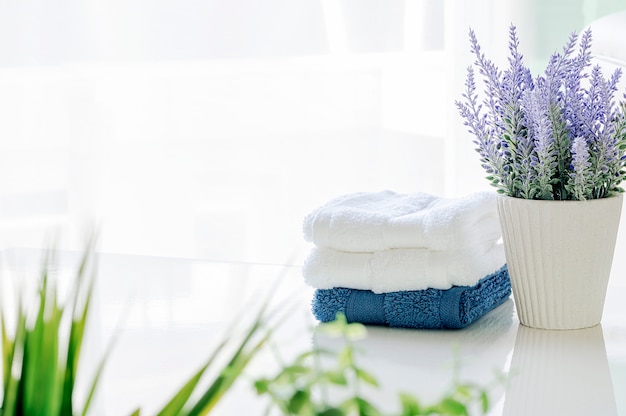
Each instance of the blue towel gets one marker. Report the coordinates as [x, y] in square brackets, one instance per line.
[456, 307]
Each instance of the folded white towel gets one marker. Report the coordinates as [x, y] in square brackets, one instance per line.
[368, 222]
[400, 269]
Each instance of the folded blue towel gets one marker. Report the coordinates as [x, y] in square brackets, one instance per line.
[456, 307]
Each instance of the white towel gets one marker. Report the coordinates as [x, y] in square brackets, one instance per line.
[400, 269]
[368, 222]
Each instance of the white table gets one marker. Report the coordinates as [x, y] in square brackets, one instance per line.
[167, 315]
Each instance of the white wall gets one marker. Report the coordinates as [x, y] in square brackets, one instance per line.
[209, 129]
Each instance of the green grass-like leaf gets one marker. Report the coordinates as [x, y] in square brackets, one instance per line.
[178, 402]
[238, 362]
[249, 345]
[10, 400]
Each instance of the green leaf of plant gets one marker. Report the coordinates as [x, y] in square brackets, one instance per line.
[10, 403]
[350, 406]
[366, 377]
[177, 403]
[464, 390]
[235, 366]
[51, 371]
[484, 401]
[410, 405]
[332, 411]
[334, 328]
[355, 331]
[261, 386]
[297, 401]
[32, 353]
[40, 361]
[366, 408]
[300, 359]
[96, 379]
[452, 406]
[254, 339]
[296, 369]
[345, 358]
[283, 378]
[7, 353]
[82, 288]
[337, 378]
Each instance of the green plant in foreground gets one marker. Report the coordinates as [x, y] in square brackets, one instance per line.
[40, 365]
[300, 388]
[41, 357]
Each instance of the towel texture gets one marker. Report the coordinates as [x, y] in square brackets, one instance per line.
[424, 309]
[375, 221]
[400, 269]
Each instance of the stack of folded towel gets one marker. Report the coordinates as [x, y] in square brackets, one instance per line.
[406, 260]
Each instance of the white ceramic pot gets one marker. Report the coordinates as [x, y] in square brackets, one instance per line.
[559, 255]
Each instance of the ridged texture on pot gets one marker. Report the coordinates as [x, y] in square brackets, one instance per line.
[559, 255]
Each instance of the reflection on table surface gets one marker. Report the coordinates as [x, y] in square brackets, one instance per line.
[560, 372]
[166, 315]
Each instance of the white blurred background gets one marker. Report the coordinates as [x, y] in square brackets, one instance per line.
[208, 129]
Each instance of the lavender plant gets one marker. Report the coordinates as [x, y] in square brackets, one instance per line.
[560, 135]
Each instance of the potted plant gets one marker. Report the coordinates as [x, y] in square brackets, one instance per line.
[553, 146]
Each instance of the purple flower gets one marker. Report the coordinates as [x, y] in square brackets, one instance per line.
[537, 106]
[556, 136]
